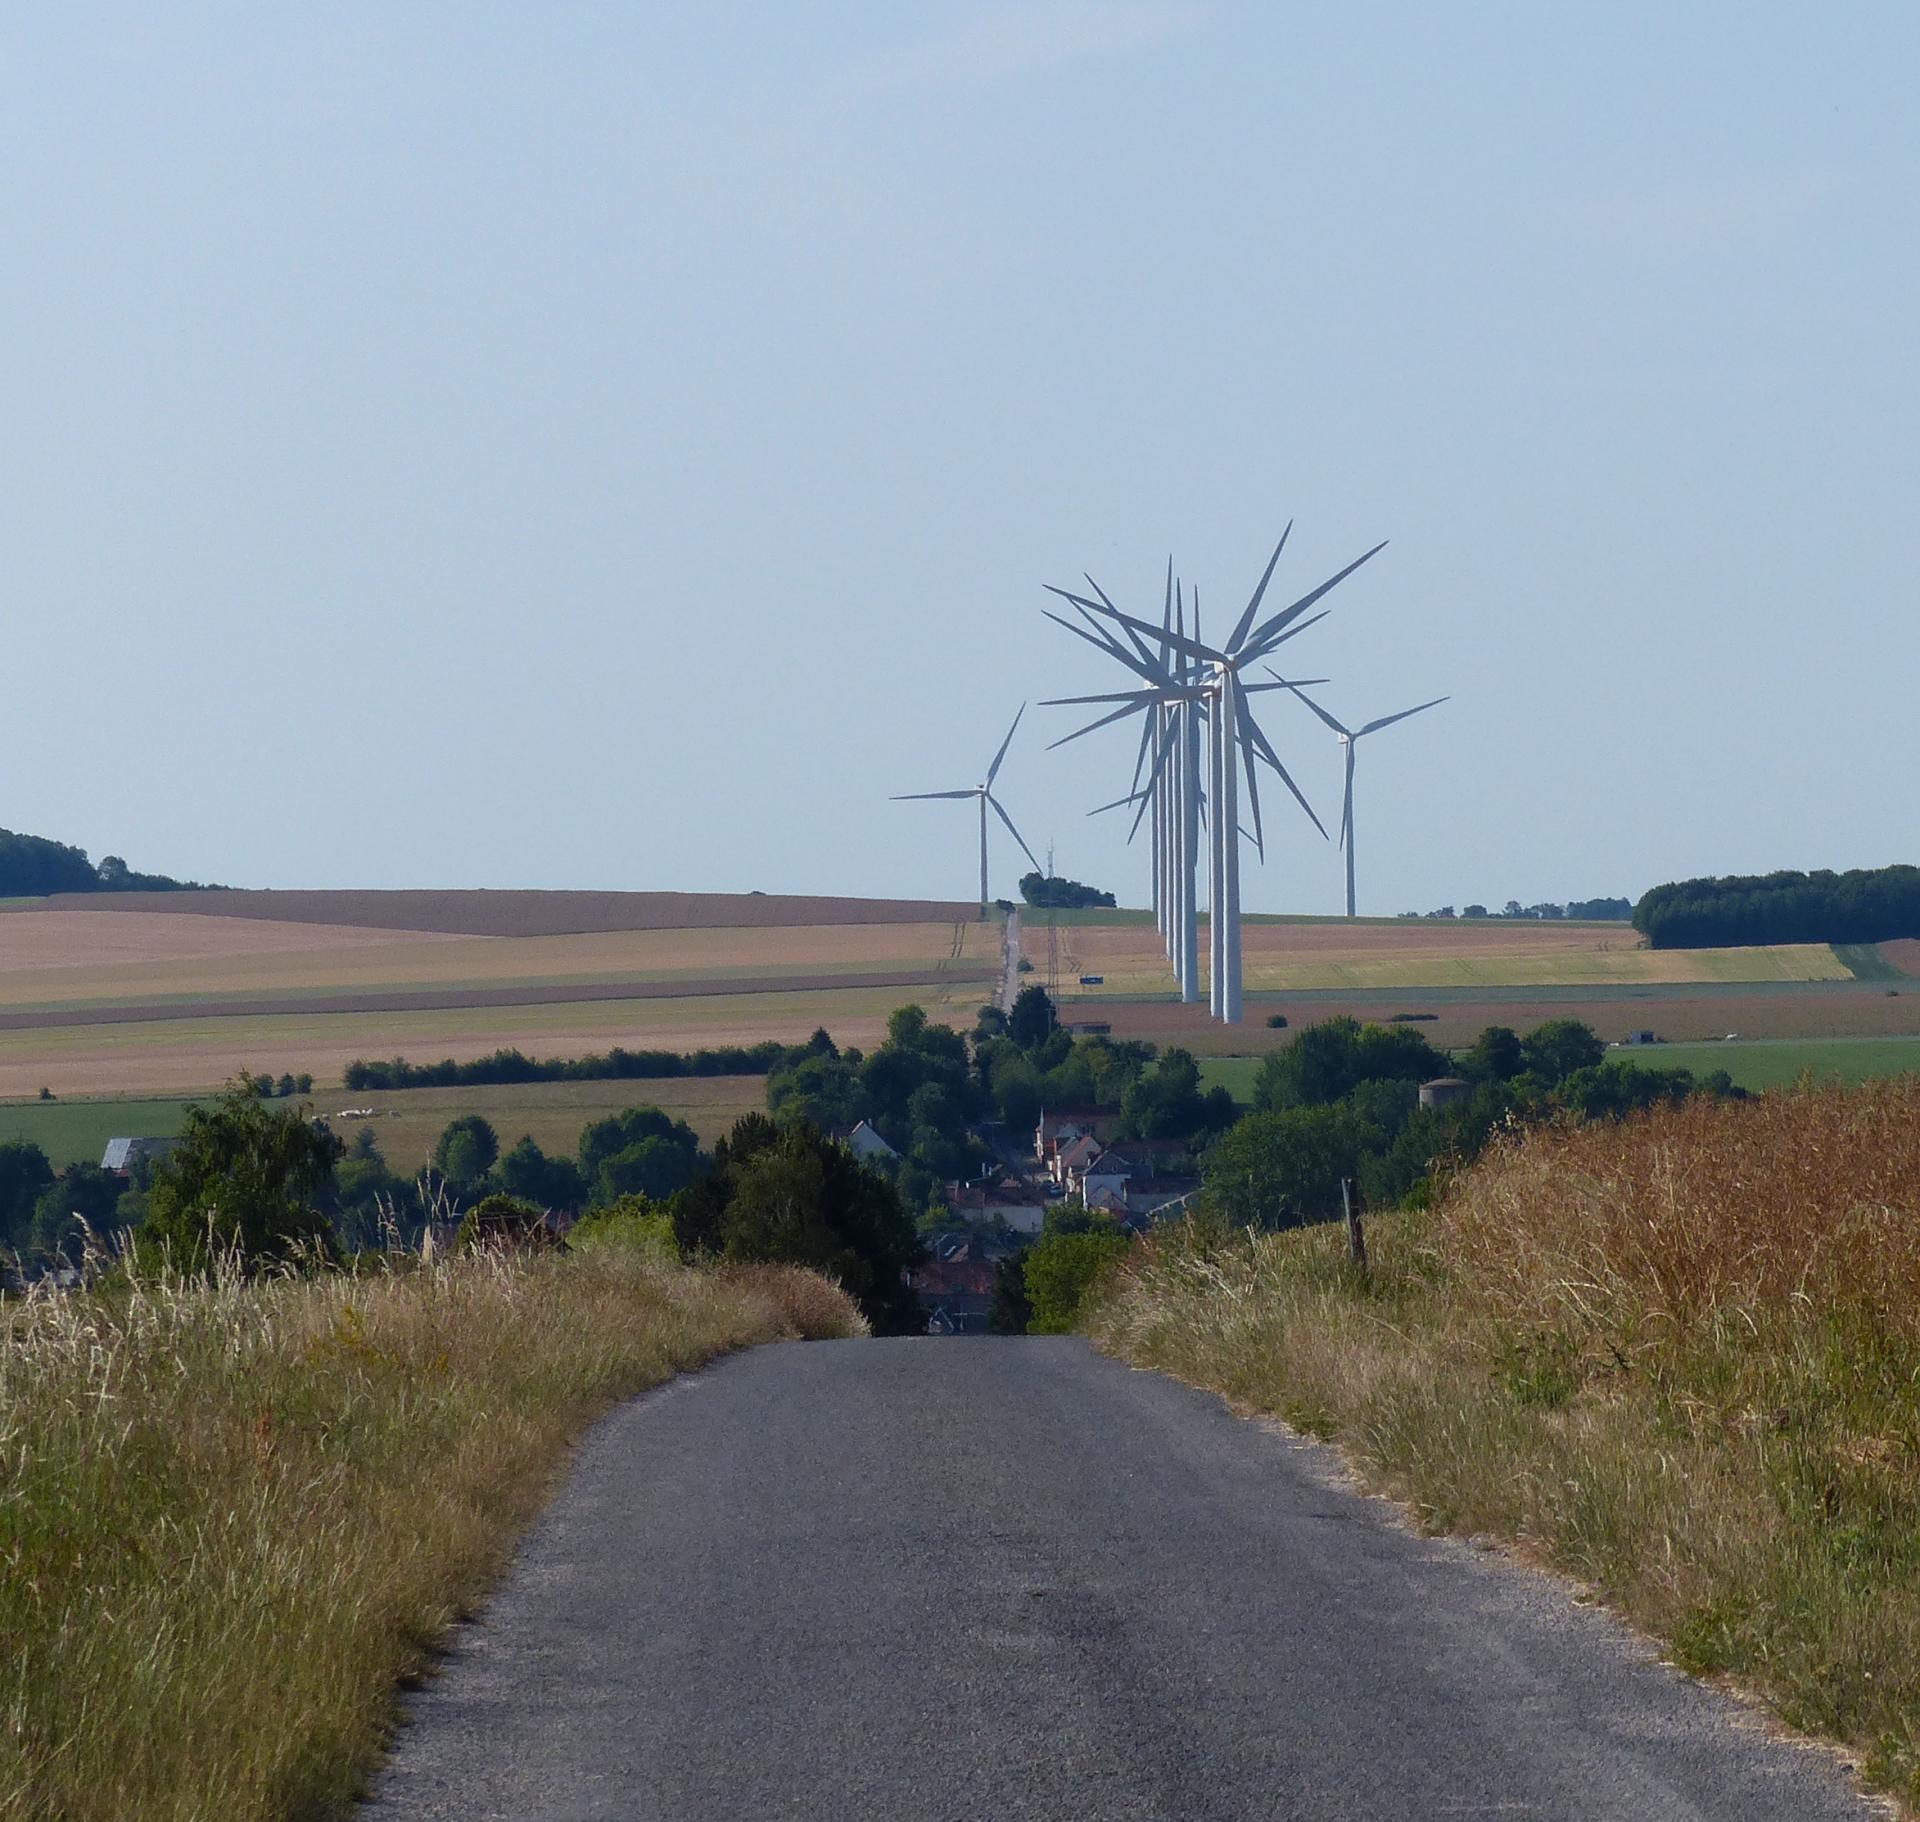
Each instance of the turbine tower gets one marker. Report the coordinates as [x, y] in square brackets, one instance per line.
[987, 799]
[1350, 738]
[1213, 676]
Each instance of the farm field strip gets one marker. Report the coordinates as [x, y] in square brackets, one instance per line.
[1335, 956]
[1775, 1062]
[59, 967]
[170, 1057]
[407, 1122]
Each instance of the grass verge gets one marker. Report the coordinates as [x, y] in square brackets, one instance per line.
[1679, 1358]
[235, 1517]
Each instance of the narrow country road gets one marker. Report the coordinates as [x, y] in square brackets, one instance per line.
[974, 1580]
[1010, 961]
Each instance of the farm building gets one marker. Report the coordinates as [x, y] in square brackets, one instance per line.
[122, 1155]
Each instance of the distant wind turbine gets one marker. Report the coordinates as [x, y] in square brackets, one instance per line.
[987, 799]
[1350, 738]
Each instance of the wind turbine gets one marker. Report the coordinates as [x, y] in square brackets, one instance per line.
[1350, 738]
[1212, 677]
[987, 800]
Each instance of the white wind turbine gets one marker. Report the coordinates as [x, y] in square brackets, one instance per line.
[1233, 738]
[987, 799]
[1350, 738]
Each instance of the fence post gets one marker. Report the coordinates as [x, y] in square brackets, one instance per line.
[1356, 1231]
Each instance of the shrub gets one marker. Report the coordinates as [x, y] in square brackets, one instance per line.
[1061, 1269]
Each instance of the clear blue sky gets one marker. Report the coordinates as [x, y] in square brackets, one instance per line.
[617, 445]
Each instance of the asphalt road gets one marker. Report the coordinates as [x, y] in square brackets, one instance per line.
[997, 1579]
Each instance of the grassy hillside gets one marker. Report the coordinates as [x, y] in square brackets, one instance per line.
[238, 1515]
[1676, 1357]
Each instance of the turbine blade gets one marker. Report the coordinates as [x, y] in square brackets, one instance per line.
[1071, 702]
[1146, 794]
[1253, 606]
[1118, 803]
[993, 771]
[1110, 647]
[1294, 631]
[1189, 646]
[929, 796]
[1107, 603]
[1309, 701]
[1104, 721]
[1244, 726]
[1282, 683]
[1387, 721]
[1265, 749]
[1257, 645]
[1346, 813]
[1015, 833]
[1146, 739]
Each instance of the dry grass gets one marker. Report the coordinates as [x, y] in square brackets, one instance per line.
[1680, 1358]
[234, 1517]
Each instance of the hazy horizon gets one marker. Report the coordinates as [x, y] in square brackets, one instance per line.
[605, 447]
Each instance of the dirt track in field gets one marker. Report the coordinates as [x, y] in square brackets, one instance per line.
[479, 913]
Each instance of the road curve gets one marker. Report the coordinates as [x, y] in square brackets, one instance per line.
[1006, 1579]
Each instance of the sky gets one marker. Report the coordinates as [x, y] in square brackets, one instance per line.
[593, 445]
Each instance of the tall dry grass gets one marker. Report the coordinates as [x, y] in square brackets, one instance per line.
[233, 1517]
[1679, 1357]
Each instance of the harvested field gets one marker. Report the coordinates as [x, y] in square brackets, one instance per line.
[480, 913]
[161, 1058]
[1696, 1013]
[1282, 957]
[63, 960]
[1903, 955]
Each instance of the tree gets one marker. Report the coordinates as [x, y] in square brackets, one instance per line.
[466, 1150]
[1496, 1055]
[1283, 1169]
[1168, 1102]
[642, 1151]
[1011, 1309]
[1061, 1269]
[527, 1172]
[25, 1175]
[1328, 1060]
[83, 1199]
[244, 1178]
[1033, 1019]
[1556, 1049]
[790, 1195]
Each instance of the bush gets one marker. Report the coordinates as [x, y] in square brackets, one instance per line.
[1061, 1269]
[633, 1222]
[508, 1223]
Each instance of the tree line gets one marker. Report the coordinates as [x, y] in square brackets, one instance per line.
[1866, 905]
[32, 866]
[616, 1065]
[1047, 891]
[1590, 910]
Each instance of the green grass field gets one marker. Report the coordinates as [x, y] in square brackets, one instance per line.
[76, 1132]
[1773, 1062]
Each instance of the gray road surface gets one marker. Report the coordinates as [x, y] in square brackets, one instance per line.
[999, 1579]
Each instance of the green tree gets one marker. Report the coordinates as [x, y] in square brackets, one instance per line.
[466, 1150]
[25, 1175]
[641, 1151]
[245, 1179]
[527, 1172]
[1284, 1169]
[1496, 1055]
[1328, 1060]
[1560, 1047]
[1061, 1269]
[1011, 1309]
[1168, 1102]
[1033, 1019]
[83, 1199]
[788, 1194]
